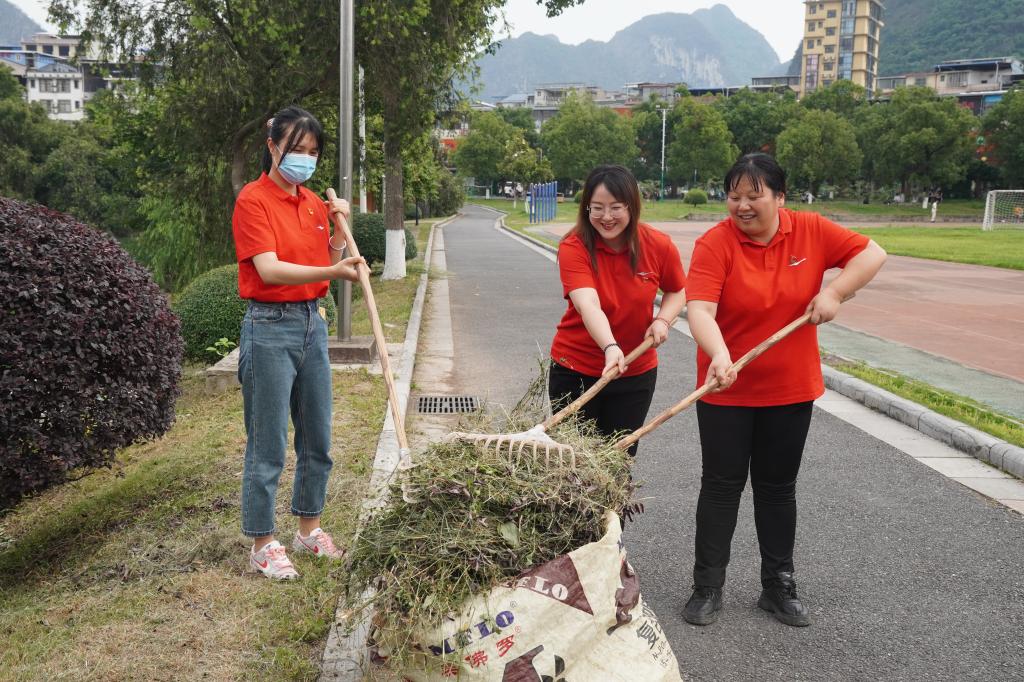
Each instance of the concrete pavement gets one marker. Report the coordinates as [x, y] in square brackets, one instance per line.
[908, 574]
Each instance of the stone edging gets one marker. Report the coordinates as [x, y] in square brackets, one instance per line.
[978, 444]
[345, 652]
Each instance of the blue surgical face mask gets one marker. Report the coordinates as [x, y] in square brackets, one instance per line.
[296, 168]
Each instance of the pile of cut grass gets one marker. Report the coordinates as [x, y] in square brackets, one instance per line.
[473, 518]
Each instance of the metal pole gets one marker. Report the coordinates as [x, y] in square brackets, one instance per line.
[346, 59]
[664, 114]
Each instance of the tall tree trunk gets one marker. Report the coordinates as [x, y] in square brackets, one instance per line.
[394, 212]
[240, 152]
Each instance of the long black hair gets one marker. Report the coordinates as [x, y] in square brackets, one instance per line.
[621, 184]
[760, 169]
[295, 123]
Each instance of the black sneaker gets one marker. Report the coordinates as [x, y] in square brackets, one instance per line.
[704, 605]
[781, 601]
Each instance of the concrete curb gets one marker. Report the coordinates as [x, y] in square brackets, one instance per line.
[978, 444]
[345, 654]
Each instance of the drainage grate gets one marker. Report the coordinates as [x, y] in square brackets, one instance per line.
[447, 404]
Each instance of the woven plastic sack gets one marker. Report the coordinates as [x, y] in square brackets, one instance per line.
[577, 617]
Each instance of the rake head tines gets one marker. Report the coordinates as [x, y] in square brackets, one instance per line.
[533, 442]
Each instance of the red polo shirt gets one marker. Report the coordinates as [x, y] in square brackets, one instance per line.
[267, 218]
[627, 298]
[760, 288]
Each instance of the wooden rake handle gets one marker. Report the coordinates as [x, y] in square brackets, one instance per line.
[707, 388]
[605, 379]
[378, 331]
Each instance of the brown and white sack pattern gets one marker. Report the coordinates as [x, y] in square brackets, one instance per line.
[577, 618]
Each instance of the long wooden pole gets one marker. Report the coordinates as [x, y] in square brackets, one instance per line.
[605, 379]
[378, 330]
[707, 388]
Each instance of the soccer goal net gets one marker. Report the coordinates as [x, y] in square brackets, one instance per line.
[1004, 208]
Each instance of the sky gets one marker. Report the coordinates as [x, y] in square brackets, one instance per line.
[36, 11]
[781, 21]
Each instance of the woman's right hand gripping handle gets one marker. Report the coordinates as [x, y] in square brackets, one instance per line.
[701, 316]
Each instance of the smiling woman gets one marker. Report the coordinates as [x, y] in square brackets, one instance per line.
[612, 266]
[751, 275]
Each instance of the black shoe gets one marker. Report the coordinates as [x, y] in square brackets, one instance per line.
[779, 598]
[704, 605]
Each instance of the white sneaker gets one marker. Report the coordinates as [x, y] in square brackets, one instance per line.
[272, 562]
[317, 543]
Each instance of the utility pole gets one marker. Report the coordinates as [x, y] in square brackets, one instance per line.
[664, 115]
[346, 59]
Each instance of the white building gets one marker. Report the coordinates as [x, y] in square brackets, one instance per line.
[59, 87]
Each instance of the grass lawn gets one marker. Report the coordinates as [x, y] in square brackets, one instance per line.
[997, 248]
[952, 405]
[669, 210]
[140, 571]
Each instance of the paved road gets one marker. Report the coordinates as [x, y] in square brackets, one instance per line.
[908, 575]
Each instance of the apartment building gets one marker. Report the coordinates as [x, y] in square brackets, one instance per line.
[977, 84]
[840, 42]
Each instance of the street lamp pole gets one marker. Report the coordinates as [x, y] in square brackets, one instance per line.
[664, 114]
[346, 59]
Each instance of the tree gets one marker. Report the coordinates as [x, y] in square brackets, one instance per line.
[481, 151]
[521, 118]
[1004, 126]
[703, 148]
[523, 163]
[27, 137]
[819, 146]
[842, 97]
[756, 118]
[916, 138]
[582, 135]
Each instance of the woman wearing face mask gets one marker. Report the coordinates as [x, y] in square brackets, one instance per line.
[751, 275]
[286, 257]
[612, 266]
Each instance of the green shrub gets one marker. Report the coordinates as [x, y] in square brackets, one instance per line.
[90, 352]
[210, 310]
[369, 232]
[696, 196]
[450, 196]
[578, 197]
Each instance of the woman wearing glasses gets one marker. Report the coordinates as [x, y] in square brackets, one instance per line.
[612, 266]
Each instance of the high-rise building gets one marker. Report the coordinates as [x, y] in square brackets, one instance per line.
[840, 42]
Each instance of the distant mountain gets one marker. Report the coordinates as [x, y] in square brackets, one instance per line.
[709, 48]
[15, 24]
[918, 34]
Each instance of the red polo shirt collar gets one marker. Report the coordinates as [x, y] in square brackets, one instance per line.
[276, 191]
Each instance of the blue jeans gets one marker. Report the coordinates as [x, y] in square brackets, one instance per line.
[283, 367]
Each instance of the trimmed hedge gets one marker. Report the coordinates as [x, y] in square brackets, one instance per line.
[369, 232]
[210, 309]
[695, 196]
[90, 352]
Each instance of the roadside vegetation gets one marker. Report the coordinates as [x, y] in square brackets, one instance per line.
[953, 405]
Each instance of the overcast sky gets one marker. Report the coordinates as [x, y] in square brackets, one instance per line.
[36, 10]
[781, 21]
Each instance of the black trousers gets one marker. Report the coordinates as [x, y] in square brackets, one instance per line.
[769, 442]
[621, 406]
